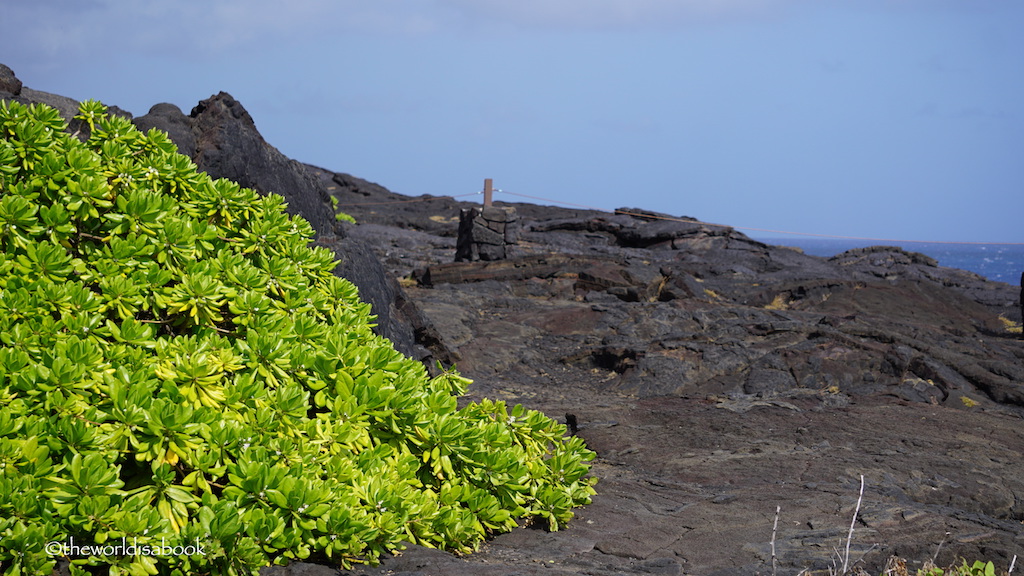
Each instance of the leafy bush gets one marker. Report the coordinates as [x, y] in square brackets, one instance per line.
[179, 370]
[978, 568]
[898, 567]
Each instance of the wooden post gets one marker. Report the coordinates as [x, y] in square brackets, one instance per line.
[488, 191]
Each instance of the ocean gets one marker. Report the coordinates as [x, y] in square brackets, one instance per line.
[999, 262]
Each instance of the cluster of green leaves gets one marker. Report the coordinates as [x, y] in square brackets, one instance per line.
[178, 366]
[338, 215]
[897, 566]
[978, 568]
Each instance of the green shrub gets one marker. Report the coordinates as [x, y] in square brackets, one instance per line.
[978, 568]
[179, 370]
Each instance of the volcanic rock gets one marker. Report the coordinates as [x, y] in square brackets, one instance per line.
[485, 234]
[222, 139]
[719, 377]
[9, 83]
[170, 119]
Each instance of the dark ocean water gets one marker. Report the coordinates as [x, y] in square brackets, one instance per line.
[1000, 262]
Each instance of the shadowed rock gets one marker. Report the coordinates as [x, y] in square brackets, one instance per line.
[222, 139]
[9, 83]
[718, 377]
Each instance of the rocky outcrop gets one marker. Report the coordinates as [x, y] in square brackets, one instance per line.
[222, 139]
[486, 233]
[719, 377]
[171, 119]
[9, 83]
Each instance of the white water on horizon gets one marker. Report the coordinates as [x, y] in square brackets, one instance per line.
[999, 262]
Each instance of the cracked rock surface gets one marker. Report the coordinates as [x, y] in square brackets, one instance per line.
[718, 379]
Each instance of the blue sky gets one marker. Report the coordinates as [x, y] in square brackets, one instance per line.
[891, 119]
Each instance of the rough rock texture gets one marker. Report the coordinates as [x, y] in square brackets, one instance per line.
[718, 378]
[9, 83]
[222, 139]
[171, 119]
[486, 233]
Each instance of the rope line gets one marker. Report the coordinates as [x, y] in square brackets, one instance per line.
[688, 221]
[431, 199]
[768, 230]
